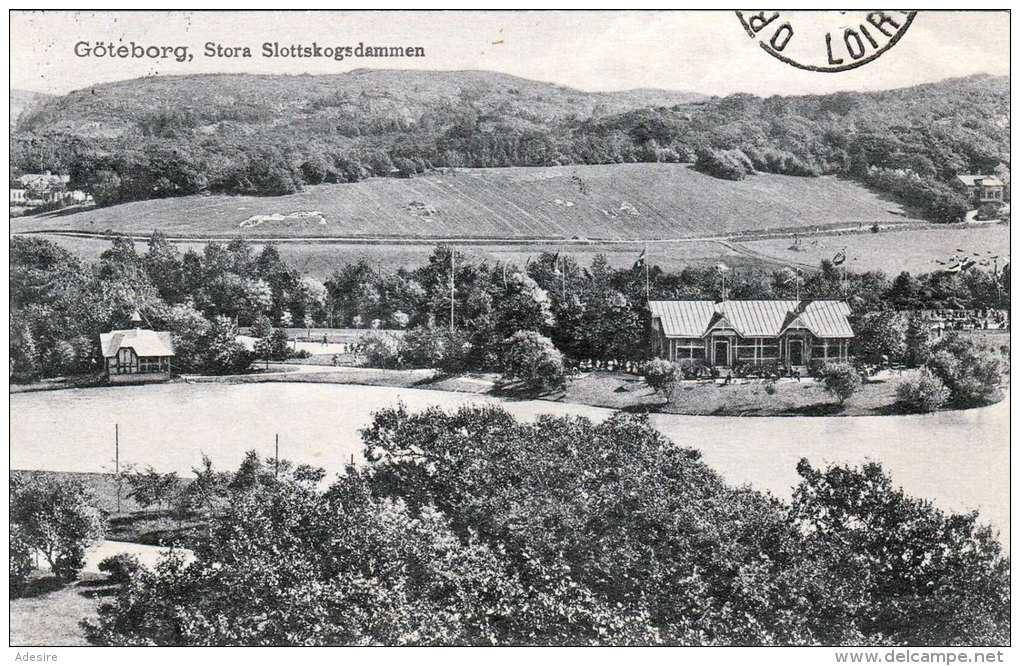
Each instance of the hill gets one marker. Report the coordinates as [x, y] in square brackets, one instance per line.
[23, 101]
[626, 201]
[354, 103]
[272, 135]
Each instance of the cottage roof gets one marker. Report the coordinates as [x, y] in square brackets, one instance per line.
[763, 318]
[144, 342]
[974, 180]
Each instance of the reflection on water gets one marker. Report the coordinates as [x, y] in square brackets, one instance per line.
[960, 460]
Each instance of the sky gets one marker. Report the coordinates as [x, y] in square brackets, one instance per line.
[706, 52]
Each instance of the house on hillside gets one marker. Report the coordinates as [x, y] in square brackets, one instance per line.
[44, 181]
[726, 334]
[980, 189]
[136, 355]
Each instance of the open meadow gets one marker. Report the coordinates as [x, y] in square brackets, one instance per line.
[914, 250]
[606, 202]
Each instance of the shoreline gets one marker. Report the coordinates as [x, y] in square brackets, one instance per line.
[484, 384]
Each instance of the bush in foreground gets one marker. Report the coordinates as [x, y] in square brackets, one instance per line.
[473, 528]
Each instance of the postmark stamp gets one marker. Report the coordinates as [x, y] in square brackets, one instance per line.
[826, 41]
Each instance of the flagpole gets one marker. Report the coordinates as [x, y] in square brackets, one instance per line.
[647, 291]
[452, 300]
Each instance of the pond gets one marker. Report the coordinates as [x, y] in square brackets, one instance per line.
[959, 460]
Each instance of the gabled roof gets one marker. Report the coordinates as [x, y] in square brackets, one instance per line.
[763, 318]
[973, 180]
[145, 343]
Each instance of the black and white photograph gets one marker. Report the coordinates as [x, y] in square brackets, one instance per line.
[478, 328]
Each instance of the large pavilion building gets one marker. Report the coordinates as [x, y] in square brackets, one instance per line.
[725, 334]
[137, 355]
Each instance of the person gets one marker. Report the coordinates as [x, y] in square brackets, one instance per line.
[336, 359]
[324, 339]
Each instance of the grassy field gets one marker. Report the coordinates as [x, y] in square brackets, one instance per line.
[49, 612]
[612, 202]
[742, 398]
[916, 250]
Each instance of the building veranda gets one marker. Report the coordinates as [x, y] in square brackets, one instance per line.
[731, 334]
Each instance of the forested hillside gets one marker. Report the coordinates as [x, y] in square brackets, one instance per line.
[269, 135]
[23, 101]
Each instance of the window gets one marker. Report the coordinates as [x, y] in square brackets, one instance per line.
[688, 348]
[151, 364]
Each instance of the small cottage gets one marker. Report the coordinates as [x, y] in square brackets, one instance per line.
[981, 189]
[137, 355]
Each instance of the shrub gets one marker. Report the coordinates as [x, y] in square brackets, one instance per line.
[532, 359]
[433, 347]
[120, 567]
[841, 380]
[971, 374]
[727, 164]
[925, 393]
[660, 374]
[20, 560]
[381, 350]
[988, 211]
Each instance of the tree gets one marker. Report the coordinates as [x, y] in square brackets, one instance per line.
[24, 361]
[223, 354]
[841, 380]
[923, 393]
[880, 337]
[58, 518]
[917, 341]
[19, 560]
[899, 570]
[533, 360]
[474, 528]
[150, 488]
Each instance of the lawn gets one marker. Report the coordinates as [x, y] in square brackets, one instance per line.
[48, 614]
[619, 202]
[916, 250]
[743, 397]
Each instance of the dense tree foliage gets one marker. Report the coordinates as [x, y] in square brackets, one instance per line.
[243, 135]
[55, 517]
[970, 372]
[473, 528]
[597, 313]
